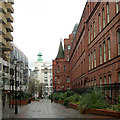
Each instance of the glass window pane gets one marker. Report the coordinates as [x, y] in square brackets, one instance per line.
[119, 77]
[118, 37]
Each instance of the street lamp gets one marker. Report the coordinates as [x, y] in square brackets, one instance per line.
[3, 94]
[16, 107]
[12, 84]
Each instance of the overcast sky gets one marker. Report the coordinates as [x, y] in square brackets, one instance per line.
[39, 25]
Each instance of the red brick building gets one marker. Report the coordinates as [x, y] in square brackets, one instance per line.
[94, 55]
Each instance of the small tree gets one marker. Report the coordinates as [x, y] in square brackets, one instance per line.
[35, 87]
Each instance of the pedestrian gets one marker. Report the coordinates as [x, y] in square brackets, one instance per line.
[51, 99]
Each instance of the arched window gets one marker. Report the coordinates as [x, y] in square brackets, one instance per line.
[109, 49]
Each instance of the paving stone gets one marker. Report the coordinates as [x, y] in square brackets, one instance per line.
[46, 109]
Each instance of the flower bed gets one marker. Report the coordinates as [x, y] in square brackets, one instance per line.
[93, 111]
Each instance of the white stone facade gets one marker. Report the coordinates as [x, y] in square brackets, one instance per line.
[43, 73]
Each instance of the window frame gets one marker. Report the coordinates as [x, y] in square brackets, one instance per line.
[108, 12]
[99, 19]
[118, 40]
[94, 58]
[100, 47]
[109, 49]
[103, 17]
[104, 50]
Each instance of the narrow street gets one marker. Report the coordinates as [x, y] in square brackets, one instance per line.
[46, 109]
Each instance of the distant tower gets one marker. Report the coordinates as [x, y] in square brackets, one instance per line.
[39, 57]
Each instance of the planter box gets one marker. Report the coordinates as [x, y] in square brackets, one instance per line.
[73, 106]
[22, 102]
[94, 111]
[103, 112]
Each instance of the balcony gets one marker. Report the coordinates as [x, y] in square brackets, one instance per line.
[2, 29]
[10, 1]
[8, 37]
[3, 19]
[2, 40]
[3, 7]
[8, 47]
[9, 27]
[9, 17]
[9, 8]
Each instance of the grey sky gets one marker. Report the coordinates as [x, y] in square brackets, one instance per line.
[39, 25]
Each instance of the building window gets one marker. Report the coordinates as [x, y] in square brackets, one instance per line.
[95, 82]
[89, 83]
[67, 57]
[89, 62]
[104, 49]
[64, 68]
[119, 77]
[94, 29]
[58, 80]
[105, 82]
[92, 82]
[68, 79]
[58, 89]
[55, 71]
[108, 19]
[100, 80]
[117, 6]
[91, 33]
[58, 69]
[68, 88]
[109, 49]
[100, 54]
[88, 35]
[45, 72]
[68, 47]
[94, 58]
[45, 80]
[118, 38]
[103, 17]
[99, 23]
[109, 77]
[55, 79]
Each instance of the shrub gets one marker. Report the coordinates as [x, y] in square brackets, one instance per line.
[94, 99]
[67, 101]
[114, 108]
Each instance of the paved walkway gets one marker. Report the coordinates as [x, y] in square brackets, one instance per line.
[46, 109]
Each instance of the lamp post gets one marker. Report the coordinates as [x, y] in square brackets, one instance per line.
[3, 94]
[16, 107]
[12, 84]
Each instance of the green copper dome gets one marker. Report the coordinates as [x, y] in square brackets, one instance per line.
[39, 57]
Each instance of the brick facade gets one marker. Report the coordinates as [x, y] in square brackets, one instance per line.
[94, 56]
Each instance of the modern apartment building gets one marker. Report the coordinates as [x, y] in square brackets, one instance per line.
[9, 71]
[22, 69]
[94, 56]
[43, 74]
[6, 28]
